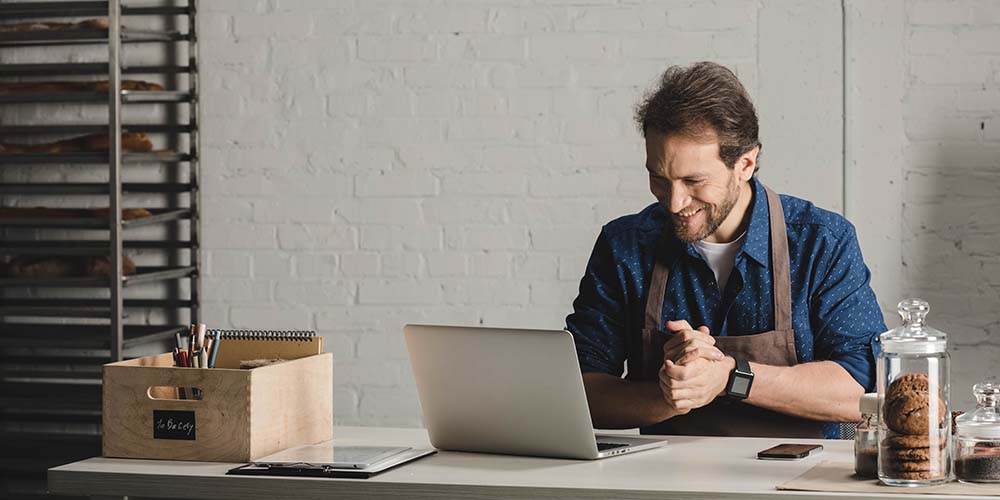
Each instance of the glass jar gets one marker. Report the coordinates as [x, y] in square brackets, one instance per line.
[913, 418]
[977, 447]
[866, 438]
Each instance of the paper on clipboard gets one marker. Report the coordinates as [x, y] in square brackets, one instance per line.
[325, 460]
[335, 457]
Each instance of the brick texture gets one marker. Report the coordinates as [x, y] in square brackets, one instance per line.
[951, 190]
[453, 162]
[368, 164]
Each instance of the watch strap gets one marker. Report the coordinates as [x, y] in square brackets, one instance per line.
[743, 366]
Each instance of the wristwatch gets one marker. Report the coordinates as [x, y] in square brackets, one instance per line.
[740, 380]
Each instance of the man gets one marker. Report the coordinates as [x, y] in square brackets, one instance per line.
[737, 312]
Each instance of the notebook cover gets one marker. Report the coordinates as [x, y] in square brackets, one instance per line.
[232, 351]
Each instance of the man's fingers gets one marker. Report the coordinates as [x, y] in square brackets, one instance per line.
[695, 353]
[678, 324]
[699, 345]
[676, 351]
[669, 372]
[692, 373]
[682, 394]
[681, 386]
[665, 379]
[675, 371]
[688, 337]
[685, 405]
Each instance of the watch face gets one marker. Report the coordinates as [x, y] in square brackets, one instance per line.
[741, 385]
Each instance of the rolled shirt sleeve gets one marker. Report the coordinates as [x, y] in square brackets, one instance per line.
[844, 311]
[598, 313]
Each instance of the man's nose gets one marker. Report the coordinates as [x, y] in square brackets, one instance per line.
[679, 198]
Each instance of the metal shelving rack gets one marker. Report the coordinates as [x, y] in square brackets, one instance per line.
[50, 373]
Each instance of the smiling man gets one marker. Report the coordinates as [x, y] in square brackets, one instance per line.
[735, 311]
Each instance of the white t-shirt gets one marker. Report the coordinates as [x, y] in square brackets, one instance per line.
[720, 257]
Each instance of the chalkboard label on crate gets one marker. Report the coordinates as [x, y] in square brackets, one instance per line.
[170, 424]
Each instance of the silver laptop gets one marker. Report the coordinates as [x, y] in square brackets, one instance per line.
[510, 391]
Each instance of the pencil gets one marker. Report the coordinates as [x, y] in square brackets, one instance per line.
[215, 350]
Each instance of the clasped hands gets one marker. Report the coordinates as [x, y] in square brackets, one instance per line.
[694, 371]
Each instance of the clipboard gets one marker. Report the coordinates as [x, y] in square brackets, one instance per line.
[330, 469]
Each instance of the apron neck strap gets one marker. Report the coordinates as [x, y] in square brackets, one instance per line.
[781, 279]
[657, 284]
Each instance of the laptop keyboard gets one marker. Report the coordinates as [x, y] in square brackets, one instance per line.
[609, 446]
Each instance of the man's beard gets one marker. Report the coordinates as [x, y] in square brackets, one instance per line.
[714, 216]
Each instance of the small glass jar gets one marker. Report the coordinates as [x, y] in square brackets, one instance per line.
[914, 422]
[866, 438]
[977, 446]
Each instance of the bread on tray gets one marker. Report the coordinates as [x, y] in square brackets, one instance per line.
[64, 266]
[56, 87]
[89, 24]
[132, 141]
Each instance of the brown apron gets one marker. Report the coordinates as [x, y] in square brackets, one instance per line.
[723, 417]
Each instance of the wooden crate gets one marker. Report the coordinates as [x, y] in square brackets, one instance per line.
[243, 414]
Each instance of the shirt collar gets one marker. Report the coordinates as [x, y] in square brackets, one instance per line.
[757, 242]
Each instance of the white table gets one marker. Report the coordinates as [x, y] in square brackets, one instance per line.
[687, 468]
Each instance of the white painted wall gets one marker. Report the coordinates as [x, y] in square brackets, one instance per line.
[923, 150]
[391, 162]
[951, 186]
[371, 163]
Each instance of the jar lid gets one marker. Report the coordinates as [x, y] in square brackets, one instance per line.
[868, 403]
[913, 336]
[984, 421]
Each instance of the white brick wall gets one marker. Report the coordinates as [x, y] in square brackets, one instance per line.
[951, 186]
[427, 161]
[373, 163]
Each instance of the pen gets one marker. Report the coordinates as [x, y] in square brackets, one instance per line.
[201, 335]
[215, 350]
[182, 362]
[191, 339]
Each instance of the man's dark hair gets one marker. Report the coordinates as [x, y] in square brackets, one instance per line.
[690, 100]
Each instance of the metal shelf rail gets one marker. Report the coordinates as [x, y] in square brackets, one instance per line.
[128, 97]
[159, 216]
[95, 158]
[52, 347]
[53, 69]
[87, 37]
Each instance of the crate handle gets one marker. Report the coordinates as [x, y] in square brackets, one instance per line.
[172, 393]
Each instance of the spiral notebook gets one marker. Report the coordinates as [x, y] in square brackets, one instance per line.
[244, 345]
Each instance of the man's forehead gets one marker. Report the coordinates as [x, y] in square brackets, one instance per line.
[679, 152]
[700, 134]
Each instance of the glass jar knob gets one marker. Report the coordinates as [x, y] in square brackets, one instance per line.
[987, 394]
[913, 312]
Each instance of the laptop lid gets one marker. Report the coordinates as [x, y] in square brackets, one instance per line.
[501, 390]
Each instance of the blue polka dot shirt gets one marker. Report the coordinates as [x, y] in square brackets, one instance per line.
[834, 311]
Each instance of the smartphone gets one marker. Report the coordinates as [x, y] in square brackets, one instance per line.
[789, 451]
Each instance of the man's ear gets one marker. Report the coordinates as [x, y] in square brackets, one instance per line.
[747, 164]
